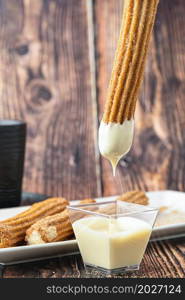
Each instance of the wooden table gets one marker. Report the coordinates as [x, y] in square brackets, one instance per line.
[56, 58]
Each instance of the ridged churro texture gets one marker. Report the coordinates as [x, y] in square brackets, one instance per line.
[53, 228]
[128, 69]
[137, 197]
[50, 229]
[87, 201]
[13, 230]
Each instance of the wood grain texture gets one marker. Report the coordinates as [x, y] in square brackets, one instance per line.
[45, 59]
[157, 157]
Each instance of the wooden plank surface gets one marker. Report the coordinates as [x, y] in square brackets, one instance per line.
[47, 80]
[157, 157]
[162, 260]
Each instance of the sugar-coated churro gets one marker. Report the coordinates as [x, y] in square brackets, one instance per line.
[137, 197]
[50, 229]
[53, 228]
[13, 230]
[116, 129]
[138, 20]
[87, 201]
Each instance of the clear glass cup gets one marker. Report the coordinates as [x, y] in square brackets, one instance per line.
[112, 236]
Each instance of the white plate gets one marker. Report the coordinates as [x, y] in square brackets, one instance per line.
[19, 254]
[175, 201]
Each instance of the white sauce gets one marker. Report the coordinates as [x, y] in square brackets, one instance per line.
[115, 140]
[112, 243]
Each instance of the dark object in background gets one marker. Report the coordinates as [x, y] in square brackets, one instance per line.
[28, 198]
[12, 150]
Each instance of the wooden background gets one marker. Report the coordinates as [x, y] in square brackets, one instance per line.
[56, 57]
[55, 62]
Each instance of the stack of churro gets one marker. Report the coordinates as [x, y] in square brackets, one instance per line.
[48, 221]
[13, 230]
[53, 228]
[116, 129]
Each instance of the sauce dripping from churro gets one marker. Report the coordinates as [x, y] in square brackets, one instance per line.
[115, 140]
[114, 162]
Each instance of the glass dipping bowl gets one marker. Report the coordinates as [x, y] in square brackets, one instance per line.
[112, 236]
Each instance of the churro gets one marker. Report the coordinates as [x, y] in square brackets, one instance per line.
[137, 197]
[87, 201]
[116, 128]
[13, 230]
[50, 229]
[53, 228]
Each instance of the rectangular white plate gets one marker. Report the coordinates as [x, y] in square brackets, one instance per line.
[20, 254]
